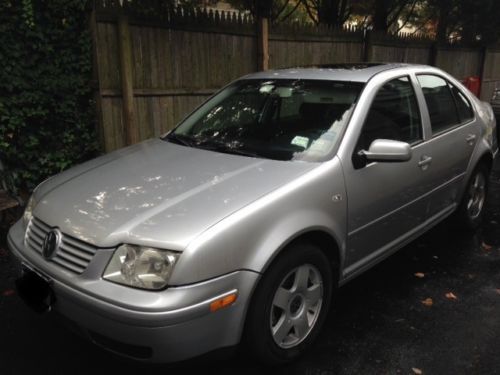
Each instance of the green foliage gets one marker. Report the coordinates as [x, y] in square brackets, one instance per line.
[46, 108]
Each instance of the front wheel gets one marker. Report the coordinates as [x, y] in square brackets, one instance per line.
[290, 304]
[471, 210]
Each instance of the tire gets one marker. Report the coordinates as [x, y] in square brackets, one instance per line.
[471, 210]
[289, 305]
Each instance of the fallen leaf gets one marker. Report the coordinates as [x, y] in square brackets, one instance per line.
[427, 302]
[420, 275]
[417, 371]
[8, 293]
[498, 291]
[486, 246]
[450, 295]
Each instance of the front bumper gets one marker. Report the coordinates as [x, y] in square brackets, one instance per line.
[160, 326]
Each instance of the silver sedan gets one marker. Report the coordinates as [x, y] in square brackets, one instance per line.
[240, 223]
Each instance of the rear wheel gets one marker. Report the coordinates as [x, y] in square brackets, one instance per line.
[471, 210]
[290, 304]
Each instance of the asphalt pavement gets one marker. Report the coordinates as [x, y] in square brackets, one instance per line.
[432, 308]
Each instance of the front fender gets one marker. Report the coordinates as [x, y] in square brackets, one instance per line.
[252, 237]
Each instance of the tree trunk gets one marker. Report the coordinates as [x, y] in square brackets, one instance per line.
[469, 21]
[444, 8]
[380, 15]
[332, 12]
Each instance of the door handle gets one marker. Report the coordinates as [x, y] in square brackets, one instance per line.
[424, 162]
[470, 139]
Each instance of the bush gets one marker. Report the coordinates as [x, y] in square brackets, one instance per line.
[47, 120]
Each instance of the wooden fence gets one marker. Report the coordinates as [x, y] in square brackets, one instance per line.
[490, 72]
[153, 66]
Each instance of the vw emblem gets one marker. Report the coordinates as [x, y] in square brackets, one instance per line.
[51, 243]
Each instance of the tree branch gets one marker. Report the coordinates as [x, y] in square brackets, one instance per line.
[409, 16]
[289, 13]
[423, 24]
[283, 7]
[345, 12]
[391, 21]
[309, 12]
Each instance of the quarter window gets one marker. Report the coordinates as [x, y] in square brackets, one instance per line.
[463, 105]
[393, 115]
[440, 103]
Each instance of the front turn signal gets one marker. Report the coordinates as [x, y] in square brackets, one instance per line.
[223, 302]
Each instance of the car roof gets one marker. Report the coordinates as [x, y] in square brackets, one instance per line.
[353, 72]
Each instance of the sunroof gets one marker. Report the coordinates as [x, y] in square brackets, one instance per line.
[348, 66]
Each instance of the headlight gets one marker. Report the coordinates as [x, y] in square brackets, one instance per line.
[28, 210]
[141, 267]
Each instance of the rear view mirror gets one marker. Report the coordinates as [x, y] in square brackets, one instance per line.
[386, 150]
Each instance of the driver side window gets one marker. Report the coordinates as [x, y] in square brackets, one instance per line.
[394, 115]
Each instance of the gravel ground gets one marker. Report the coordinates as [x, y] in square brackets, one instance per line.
[380, 324]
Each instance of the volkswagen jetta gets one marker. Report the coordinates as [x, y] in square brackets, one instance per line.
[240, 223]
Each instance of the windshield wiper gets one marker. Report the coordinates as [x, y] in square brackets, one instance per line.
[207, 145]
[181, 139]
[238, 151]
[227, 149]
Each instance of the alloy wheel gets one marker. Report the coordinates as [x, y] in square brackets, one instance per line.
[296, 306]
[477, 195]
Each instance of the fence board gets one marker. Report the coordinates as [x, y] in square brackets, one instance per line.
[459, 62]
[108, 125]
[109, 74]
[287, 53]
[419, 55]
[491, 73]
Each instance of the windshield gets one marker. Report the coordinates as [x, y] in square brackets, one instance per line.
[275, 119]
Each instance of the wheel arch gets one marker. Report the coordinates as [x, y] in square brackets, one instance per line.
[486, 159]
[325, 241]
[326, 244]
[482, 156]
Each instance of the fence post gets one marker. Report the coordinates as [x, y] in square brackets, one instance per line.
[262, 43]
[367, 45]
[96, 82]
[125, 55]
[433, 54]
[482, 62]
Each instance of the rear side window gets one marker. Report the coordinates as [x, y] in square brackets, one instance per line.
[440, 103]
[463, 105]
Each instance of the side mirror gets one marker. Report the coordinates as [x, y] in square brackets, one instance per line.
[386, 150]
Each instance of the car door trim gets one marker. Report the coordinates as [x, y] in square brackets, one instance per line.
[382, 253]
[453, 180]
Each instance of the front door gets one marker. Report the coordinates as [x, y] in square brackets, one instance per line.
[386, 201]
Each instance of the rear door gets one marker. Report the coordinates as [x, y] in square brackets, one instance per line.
[454, 133]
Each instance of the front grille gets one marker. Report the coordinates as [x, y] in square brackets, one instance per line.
[73, 255]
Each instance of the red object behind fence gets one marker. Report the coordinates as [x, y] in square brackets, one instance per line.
[473, 84]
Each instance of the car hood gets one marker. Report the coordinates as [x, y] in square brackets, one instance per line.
[156, 193]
